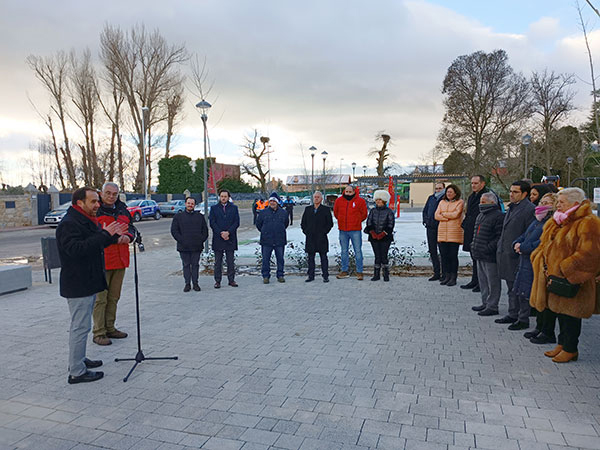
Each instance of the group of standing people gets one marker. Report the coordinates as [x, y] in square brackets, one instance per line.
[546, 248]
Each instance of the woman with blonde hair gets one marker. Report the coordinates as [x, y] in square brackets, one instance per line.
[566, 265]
[449, 214]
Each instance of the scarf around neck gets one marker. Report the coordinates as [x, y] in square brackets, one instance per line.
[80, 210]
[560, 217]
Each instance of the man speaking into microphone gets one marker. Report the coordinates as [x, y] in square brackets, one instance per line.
[81, 244]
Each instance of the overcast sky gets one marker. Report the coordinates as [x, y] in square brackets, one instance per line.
[316, 72]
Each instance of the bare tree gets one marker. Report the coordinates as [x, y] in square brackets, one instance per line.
[593, 7]
[146, 69]
[553, 101]
[381, 155]
[53, 73]
[484, 100]
[595, 112]
[174, 107]
[255, 168]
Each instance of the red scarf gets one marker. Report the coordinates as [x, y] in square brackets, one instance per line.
[92, 218]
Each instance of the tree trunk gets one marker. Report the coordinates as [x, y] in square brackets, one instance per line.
[56, 154]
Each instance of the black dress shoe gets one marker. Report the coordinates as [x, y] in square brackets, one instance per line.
[469, 285]
[543, 339]
[477, 289]
[187, 288]
[487, 312]
[518, 326]
[91, 364]
[87, 377]
[217, 285]
[505, 319]
[325, 280]
[308, 280]
[197, 287]
[531, 334]
[435, 277]
[478, 308]
[233, 284]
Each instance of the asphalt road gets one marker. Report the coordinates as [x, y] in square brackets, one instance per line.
[23, 246]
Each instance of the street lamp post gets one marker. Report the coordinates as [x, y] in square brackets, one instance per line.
[145, 111]
[324, 155]
[313, 150]
[526, 140]
[570, 163]
[204, 106]
[340, 179]
[353, 171]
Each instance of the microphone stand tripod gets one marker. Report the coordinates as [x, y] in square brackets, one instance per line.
[139, 357]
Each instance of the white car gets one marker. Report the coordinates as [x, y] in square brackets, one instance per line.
[56, 215]
[305, 200]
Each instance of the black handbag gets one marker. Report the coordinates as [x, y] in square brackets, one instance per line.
[560, 286]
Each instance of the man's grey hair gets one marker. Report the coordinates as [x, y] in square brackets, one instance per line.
[110, 184]
[573, 194]
[318, 192]
[490, 197]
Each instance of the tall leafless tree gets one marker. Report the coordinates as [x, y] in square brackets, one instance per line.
[552, 102]
[256, 167]
[595, 112]
[381, 155]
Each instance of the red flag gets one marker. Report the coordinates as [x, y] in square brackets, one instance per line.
[391, 191]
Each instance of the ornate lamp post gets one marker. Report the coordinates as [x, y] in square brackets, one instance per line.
[313, 151]
[324, 155]
[204, 106]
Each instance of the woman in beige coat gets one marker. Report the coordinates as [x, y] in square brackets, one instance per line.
[569, 248]
[449, 214]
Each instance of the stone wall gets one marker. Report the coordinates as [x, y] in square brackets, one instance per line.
[21, 215]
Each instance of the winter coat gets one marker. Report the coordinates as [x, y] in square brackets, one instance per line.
[472, 212]
[449, 215]
[519, 217]
[486, 234]
[116, 256]
[429, 211]
[571, 251]
[529, 242]
[81, 245]
[381, 219]
[272, 224]
[189, 230]
[316, 225]
[224, 219]
[350, 214]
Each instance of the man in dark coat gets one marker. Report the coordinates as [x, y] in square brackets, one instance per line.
[224, 221]
[472, 211]
[520, 214]
[81, 245]
[486, 234]
[431, 225]
[272, 222]
[254, 210]
[190, 231]
[289, 204]
[316, 223]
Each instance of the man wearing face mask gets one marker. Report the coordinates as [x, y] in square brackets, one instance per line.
[486, 233]
[350, 210]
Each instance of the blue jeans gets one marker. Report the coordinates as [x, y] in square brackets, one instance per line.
[267, 250]
[81, 323]
[356, 238]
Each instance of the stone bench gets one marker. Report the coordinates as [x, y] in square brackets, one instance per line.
[14, 278]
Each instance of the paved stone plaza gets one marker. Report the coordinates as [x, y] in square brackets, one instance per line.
[347, 365]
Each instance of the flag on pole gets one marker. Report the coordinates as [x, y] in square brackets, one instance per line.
[391, 191]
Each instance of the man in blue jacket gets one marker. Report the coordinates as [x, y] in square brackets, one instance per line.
[431, 225]
[224, 220]
[272, 222]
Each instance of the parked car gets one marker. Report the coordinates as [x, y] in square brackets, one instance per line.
[212, 200]
[56, 215]
[305, 200]
[143, 208]
[171, 208]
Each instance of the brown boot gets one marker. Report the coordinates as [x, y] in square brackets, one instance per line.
[553, 353]
[359, 276]
[565, 357]
[342, 275]
[117, 334]
[102, 340]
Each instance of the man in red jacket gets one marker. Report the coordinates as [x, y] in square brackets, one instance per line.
[350, 210]
[116, 260]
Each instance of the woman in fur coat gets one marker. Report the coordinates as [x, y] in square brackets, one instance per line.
[569, 248]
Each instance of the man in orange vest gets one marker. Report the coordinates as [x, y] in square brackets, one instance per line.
[116, 260]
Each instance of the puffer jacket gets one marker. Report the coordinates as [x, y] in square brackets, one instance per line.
[381, 219]
[272, 224]
[116, 256]
[189, 230]
[450, 215]
[350, 214]
[486, 234]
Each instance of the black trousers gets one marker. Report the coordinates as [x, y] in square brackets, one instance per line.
[432, 245]
[570, 330]
[324, 264]
[380, 250]
[474, 278]
[191, 266]
[545, 321]
[229, 258]
[449, 254]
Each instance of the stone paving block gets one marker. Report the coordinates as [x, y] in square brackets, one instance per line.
[421, 445]
[391, 443]
[215, 443]
[578, 440]
[495, 443]
[288, 442]
[549, 437]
